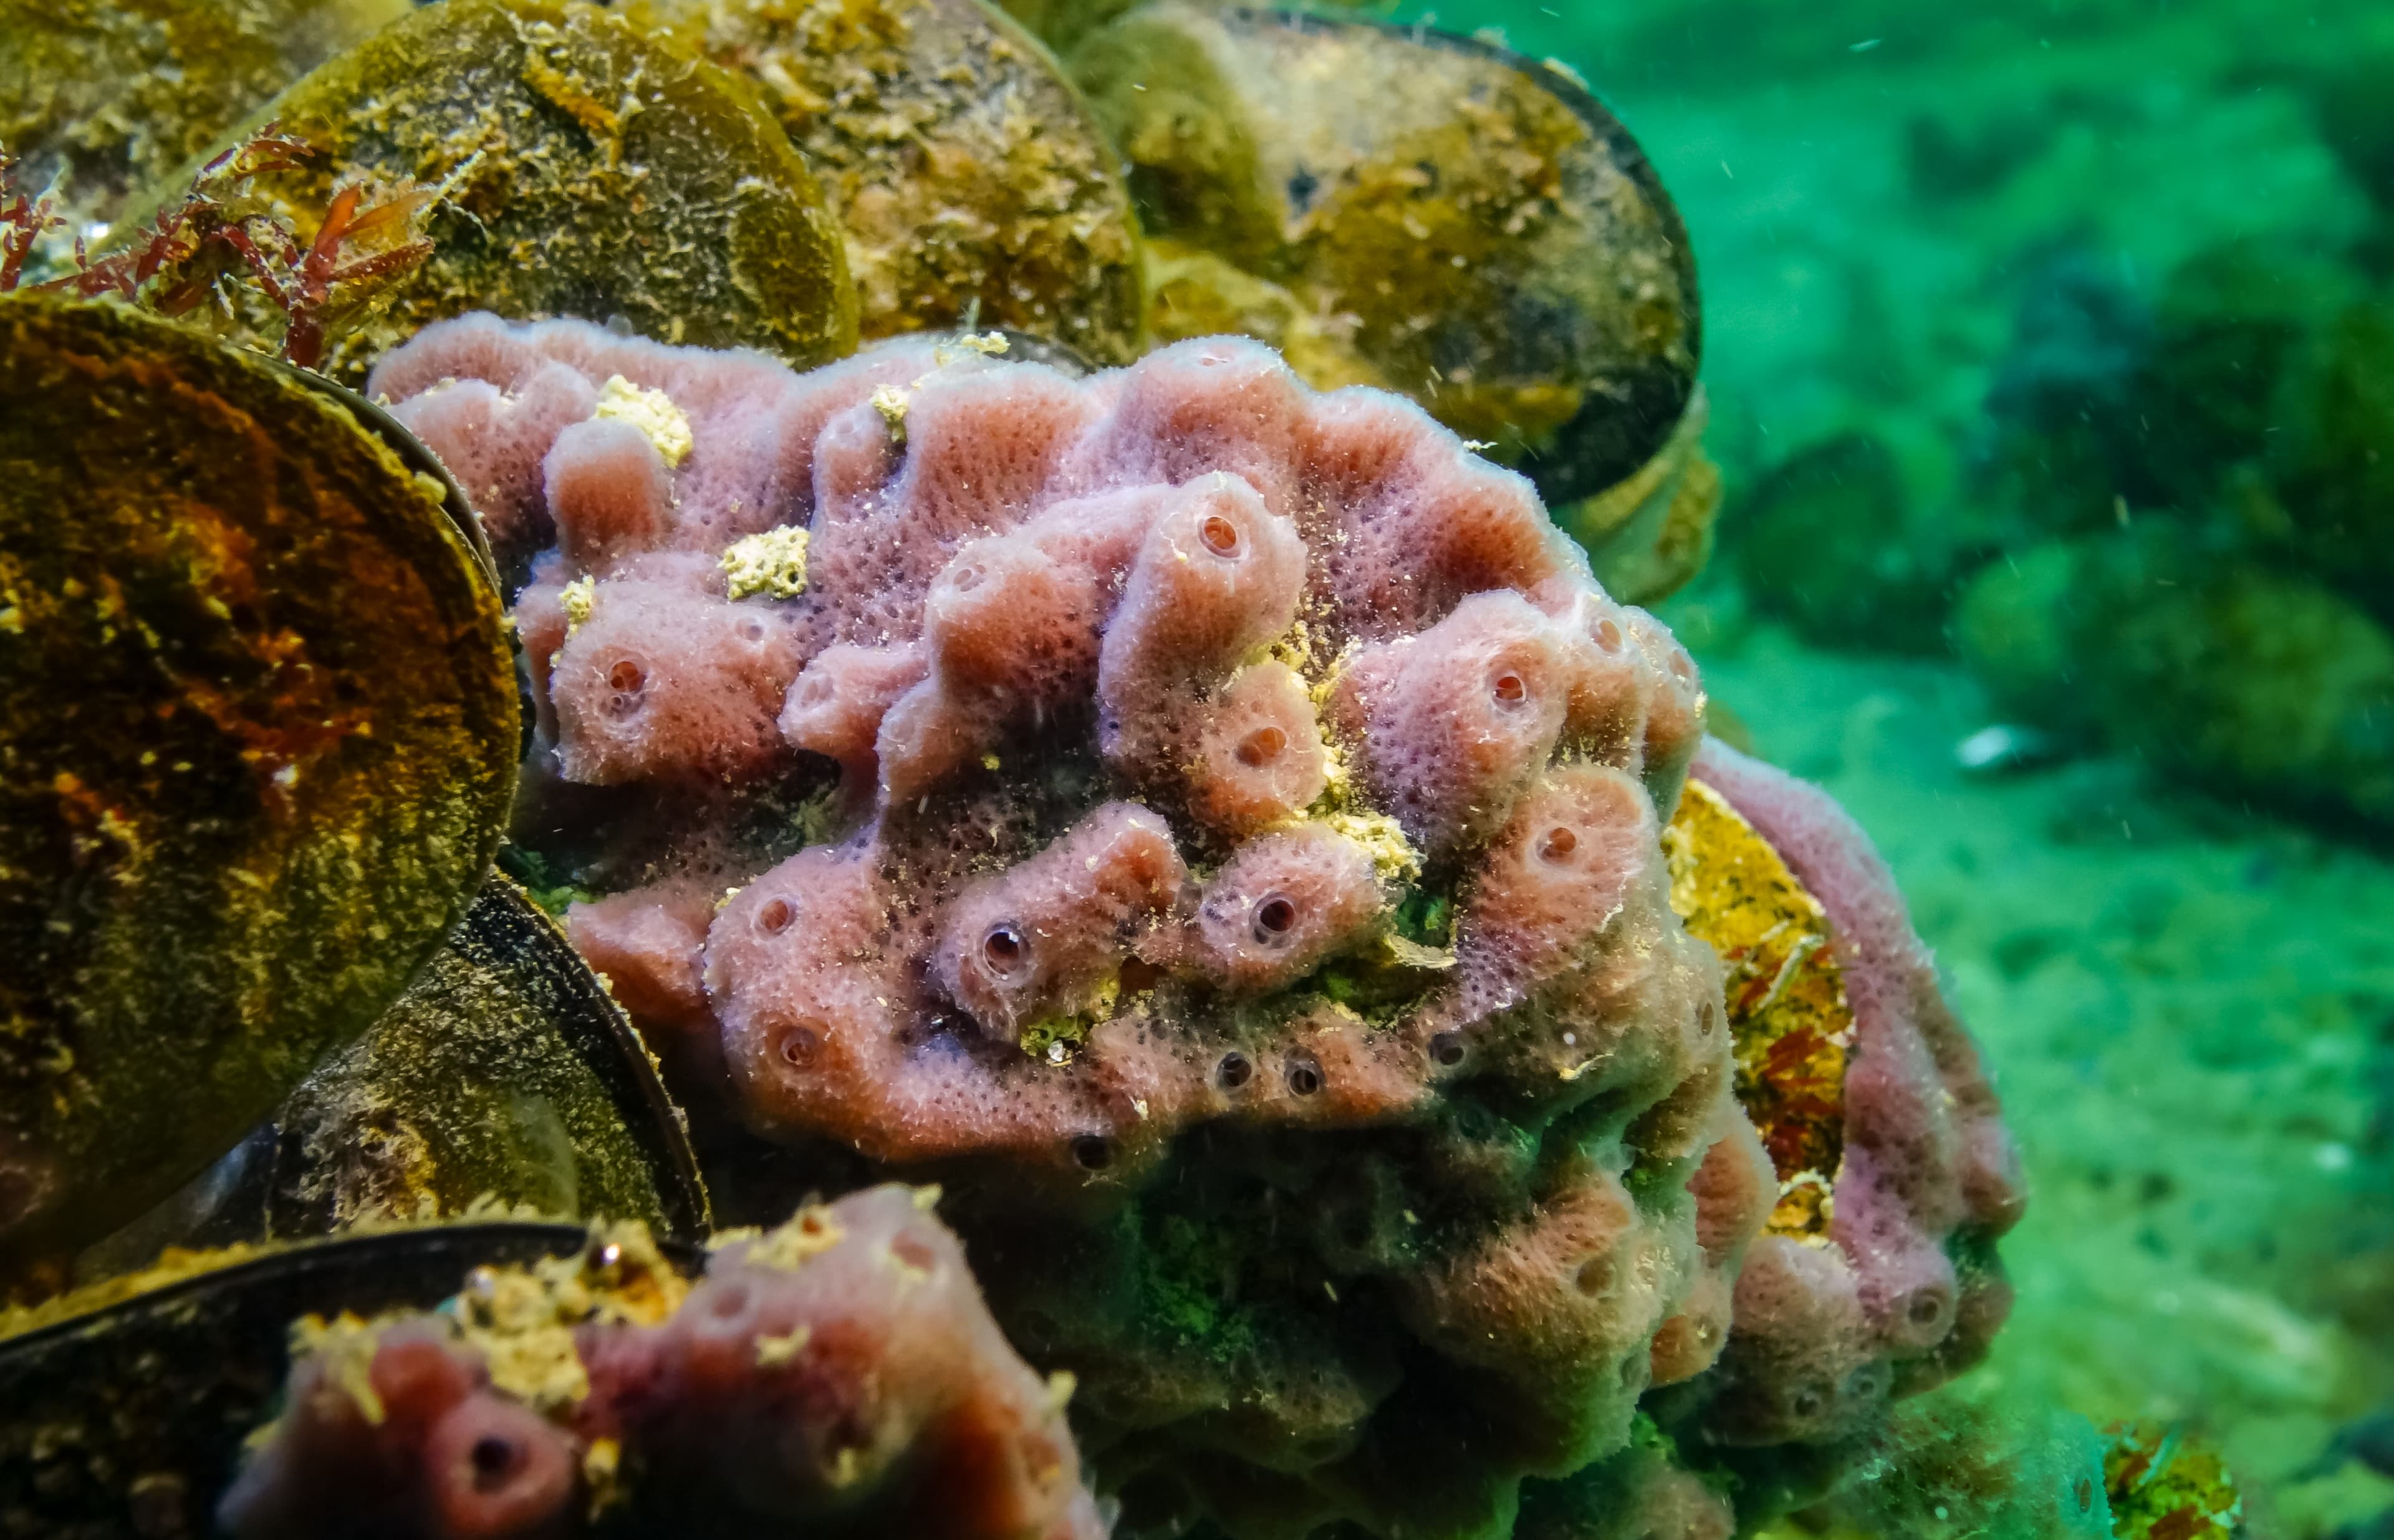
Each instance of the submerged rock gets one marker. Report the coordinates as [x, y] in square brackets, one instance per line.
[1827, 539]
[2331, 462]
[1955, 1466]
[2260, 682]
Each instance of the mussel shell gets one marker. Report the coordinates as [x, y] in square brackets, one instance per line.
[1487, 236]
[109, 97]
[257, 719]
[974, 186]
[590, 171]
[507, 1076]
[512, 1075]
[1788, 1014]
[130, 1420]
[412, 452]
[1648, 536]
[1062, 23]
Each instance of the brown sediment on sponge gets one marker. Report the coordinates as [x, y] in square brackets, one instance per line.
[840, 1365]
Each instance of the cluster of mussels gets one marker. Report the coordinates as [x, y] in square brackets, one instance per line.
[647, 762]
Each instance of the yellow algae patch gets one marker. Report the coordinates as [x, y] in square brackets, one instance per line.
[774, 1352]
[2167, 1485]
[653, 413]
[813, 1231]
[773, 563]
[345, 1348]
[602, 1471]
[1393, 854]
[892, 404]
[1413, 953]
[1785, 993]
[522, 1318]
[578, 596]
[985, 344]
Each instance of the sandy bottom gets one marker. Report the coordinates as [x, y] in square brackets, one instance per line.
[2189, 1010]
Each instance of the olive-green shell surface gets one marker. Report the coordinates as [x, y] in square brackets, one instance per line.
[1062, 23]
[974, 186]
[128, 1420]
[588, 171]
[504, 1075]
[109, 96]
[1398, 208]
[257, 738]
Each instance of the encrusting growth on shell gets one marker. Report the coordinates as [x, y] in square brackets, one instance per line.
[1907, 1291]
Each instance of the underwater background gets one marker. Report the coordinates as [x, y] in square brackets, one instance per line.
[1937, 243]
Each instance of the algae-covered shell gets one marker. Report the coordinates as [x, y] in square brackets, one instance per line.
[413, 454]
[122, 1410]
[1399, 207]
[974, 186]
[109, 96]
[588, 170]
[258, 725]
[1061, 23]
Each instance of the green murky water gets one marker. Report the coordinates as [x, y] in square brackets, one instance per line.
[1988, 283]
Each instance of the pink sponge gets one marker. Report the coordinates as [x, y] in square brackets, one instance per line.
[841, 1369]
[1910, 1291]
[1034, 941]
[667, 680]
[1243, 880]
